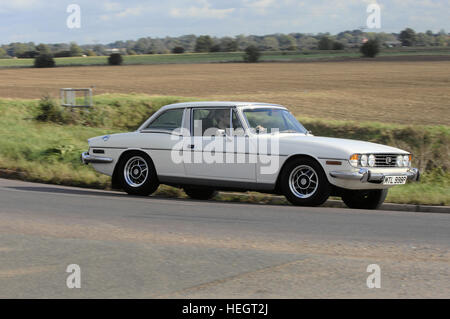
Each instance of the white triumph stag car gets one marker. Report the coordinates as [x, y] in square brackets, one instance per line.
[203, 147]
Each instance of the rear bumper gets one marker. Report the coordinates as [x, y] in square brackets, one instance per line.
[364, 175]
[86, 159]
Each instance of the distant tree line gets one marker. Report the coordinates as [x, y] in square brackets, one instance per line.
[206, 43]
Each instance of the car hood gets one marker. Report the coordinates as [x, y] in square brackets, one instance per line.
[111, 140]
[341, 146]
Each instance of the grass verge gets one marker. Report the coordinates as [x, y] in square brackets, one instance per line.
[49, 152]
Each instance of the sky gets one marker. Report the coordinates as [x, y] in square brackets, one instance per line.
[105, 21]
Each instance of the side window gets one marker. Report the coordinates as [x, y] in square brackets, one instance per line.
[169, 120]
[208, 121]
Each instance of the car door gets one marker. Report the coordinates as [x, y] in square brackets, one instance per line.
[214, 150]
[163, 141]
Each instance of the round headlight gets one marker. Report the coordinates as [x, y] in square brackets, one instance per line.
[371, 160]
[399, 160]
[406, 160]
[363, 160]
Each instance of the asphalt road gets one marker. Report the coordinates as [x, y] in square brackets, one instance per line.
[134, 247]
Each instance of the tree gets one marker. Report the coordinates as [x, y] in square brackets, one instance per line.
[178, 49]
[43, 48]
[215, 48]
[325, 43]
[424, 39]
[62, 54]
[115, 59]
[228, 44]
[99, 49]
[308, 42]
[441, 40]
[287, 42]
[28, 55]
[142, 46]
[90, 53]
[371, 48]
[271, 43]
[203, 43]
[338, 45]
[244, 41]
[3, 53]
[252, 54]
[17, 49]
[408, 37]
[75, 49]
[44, 61]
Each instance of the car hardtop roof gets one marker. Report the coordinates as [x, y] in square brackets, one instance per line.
[217, 104]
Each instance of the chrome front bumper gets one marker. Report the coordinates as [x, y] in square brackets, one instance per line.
[364, 175]
[86, 159]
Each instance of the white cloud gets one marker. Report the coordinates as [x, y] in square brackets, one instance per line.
[204, 11]
[130, 12]
[259, 3]
[136, 11]
[112, 6]
[23, 5]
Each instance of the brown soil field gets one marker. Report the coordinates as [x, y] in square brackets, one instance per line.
[398, 92]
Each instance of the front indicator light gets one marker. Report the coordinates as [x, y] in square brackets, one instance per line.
[354, 160]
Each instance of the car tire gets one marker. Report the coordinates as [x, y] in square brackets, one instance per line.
[202, 193]
[137, 174]
[364, 199]
[304, 183]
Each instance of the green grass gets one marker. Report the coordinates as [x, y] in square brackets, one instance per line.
[433, 189]
[49, 152]
[275, 56]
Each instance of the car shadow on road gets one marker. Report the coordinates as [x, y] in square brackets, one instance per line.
[88, 192]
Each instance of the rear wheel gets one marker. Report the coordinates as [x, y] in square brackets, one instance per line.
[364, 199]
[200, 192]
[137, 174]
[304, 183]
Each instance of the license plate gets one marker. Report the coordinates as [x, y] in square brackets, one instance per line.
[394, 180]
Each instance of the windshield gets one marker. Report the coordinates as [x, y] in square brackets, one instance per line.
[266, 120]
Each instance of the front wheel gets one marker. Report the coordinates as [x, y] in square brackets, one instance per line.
[202, 193]
[137, 174]
[304, 183]
[364, 199]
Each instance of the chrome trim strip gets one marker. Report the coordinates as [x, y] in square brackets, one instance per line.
[332, 158]
[86, 159]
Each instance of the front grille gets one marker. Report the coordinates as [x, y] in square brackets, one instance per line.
[382, 160]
